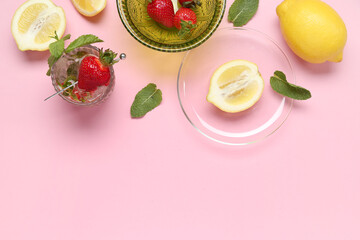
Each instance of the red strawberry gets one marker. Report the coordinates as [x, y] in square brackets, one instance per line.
[190, 3]
[161, 11]
[185, 21]
[94, 71]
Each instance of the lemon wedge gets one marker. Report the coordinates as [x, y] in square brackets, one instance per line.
[235, 86]
[89, 8]
[34, 22]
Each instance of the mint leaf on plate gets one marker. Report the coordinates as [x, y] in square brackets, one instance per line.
[241, 11]
[146, 100]
[280, 85]
[82, 41]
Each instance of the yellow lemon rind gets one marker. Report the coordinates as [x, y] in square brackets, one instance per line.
[86, 13]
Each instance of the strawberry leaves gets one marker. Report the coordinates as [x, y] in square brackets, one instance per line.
[185, 20]
[186, 28]
[107, 57]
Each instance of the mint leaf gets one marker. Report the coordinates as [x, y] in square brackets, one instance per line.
[241, 11]
[280, 75]
[56, 50]
[82, 41]
[146, 100]
[51, 61]
[280, 85]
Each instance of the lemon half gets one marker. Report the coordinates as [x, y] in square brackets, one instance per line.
[34, 22]
[89, 8]
[235, 86]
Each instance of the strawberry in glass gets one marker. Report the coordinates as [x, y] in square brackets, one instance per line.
[82, 74]
[94, 71]
[84, 86]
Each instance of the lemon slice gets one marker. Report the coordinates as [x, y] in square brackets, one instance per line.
[235, 86]
[89, 8]
[34, 22]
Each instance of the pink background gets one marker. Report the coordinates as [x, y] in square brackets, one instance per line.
[94, 173]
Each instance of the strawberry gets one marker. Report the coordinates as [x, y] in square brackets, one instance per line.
[190, 3]
[94, 71]
[185, 21]
[161, 11]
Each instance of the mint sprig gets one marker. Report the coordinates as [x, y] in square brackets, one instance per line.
[241, 11]
[146, 100]
[280, 85]
[57, 48]
[82, 41]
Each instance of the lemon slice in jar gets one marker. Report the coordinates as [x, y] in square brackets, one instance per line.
[235, 86]
[34, 22]
[89, 8]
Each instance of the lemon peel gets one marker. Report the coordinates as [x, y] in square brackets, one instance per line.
[89, 8]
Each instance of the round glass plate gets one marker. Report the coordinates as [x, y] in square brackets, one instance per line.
[197, 67]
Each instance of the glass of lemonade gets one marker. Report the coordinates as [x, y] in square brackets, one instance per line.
[64, 73]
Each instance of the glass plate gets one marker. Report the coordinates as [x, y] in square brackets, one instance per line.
[197, 67]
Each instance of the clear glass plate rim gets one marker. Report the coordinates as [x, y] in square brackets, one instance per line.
[291, 101]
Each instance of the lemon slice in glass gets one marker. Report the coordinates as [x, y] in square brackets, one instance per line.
[235, 86]
[89, 8]
[34, 22]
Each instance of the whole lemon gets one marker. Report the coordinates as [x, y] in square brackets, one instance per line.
[313, 30]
